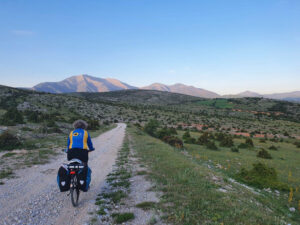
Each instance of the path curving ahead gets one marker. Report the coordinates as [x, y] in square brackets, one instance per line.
[34, 198]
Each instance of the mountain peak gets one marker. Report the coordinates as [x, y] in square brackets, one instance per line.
[83, 83]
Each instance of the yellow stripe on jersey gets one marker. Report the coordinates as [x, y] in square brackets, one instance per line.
[85, 137]
[71, 140]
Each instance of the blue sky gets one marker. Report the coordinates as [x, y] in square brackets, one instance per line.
[223, 46]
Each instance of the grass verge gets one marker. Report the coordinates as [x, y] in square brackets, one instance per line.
[191, 196]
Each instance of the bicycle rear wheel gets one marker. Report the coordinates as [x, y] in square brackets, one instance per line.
[75, 196]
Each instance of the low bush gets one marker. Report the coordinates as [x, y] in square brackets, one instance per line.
[151, 127]
[249, 142]
[226, 142]
[12, 117]
[93, 124]
[9, 141]
[297, 144]
[122, 217]
[264, 154]
[234, 149]
[173, 141]
[261, 176]
[273, 148]
[204, 139]
[211, 145]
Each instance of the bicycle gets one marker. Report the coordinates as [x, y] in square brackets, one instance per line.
[74, 167]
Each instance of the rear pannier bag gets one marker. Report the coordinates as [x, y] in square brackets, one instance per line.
[63, 178]
[84, 178]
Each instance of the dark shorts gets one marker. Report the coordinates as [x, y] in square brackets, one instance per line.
[77, 153]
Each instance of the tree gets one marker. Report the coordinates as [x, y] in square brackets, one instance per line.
[227, 142]
[264, 154]
[249, 142]
[186, 135]
[151, 127]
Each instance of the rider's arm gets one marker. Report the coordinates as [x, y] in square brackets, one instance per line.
[68, 144]
[90, 144]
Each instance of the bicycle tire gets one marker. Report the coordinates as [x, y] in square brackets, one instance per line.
[74, 195]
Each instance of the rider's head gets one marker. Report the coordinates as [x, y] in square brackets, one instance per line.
[80, 124]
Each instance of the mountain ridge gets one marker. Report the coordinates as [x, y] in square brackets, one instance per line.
[88, 83]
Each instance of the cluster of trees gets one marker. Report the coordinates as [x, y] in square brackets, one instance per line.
[165, 134]
[208, 139]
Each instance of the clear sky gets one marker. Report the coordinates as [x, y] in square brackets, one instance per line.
[223, 46]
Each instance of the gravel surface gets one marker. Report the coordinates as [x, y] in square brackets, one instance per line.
[34, 198]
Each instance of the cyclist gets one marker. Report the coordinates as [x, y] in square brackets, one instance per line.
[80, 144]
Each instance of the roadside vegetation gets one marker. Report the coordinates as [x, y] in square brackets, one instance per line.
[113, 195]
[200, 185]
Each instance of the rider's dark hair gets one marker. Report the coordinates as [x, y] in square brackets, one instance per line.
[80, 124]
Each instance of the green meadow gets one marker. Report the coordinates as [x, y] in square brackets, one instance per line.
[197, 186]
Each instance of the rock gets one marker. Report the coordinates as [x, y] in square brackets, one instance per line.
[222, 190]
[292, 209]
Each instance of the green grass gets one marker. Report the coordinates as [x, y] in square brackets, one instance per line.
[122, 217]
[6, 173]
[146, 205]
[141, 172]
[285, 160]
[218, 103]
[191, 196]
[115, 196]
[9, 154]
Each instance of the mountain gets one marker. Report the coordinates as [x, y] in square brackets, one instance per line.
[285, 96]
[83, 83]
[288, 96]
[244, 94]
[182, 89]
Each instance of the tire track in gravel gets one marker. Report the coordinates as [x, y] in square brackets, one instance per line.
[34, 198]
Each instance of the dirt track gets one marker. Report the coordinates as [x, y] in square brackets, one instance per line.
[34, 198]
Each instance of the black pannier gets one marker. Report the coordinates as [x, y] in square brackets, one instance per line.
[84, 178]
[63, 178]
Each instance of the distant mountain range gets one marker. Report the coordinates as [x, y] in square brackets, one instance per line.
[87, 83]
[182, 89]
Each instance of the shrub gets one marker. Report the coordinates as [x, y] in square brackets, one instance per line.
[273, 148]
[122, 217]
[9, 141]
[234, 149]
[93, 124]
[249, 142]
[151, 127]
[297, 144]
[173, 141]
[226, 142]
[261, 176]
[190, 140]
[12, 117]
[186, 135]
[163, 132]
[264, 154]
[203, 139]
[211, 145]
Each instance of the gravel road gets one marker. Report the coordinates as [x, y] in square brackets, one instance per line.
[34, 198]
